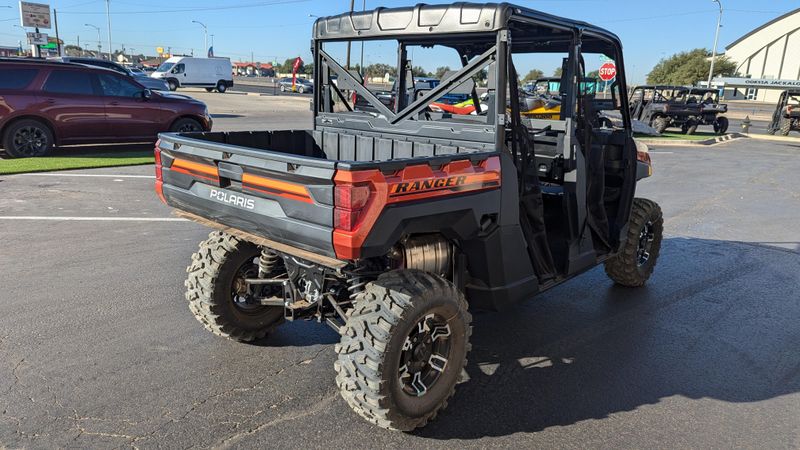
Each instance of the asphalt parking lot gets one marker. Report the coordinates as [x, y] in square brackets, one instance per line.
[99, 350]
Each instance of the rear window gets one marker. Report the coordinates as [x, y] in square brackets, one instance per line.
[69, 82]
[16, 78]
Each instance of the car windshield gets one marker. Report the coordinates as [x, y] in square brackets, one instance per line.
[165, 67]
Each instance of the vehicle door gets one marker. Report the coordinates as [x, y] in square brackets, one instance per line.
[129, 113]
[179, 72]
[73, 102]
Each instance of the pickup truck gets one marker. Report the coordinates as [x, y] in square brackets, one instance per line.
[390, 225]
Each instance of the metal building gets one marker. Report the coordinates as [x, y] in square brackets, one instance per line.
[768, 60]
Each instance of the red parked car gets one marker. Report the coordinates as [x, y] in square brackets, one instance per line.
[45, 104]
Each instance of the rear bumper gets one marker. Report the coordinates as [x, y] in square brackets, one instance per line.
[266, 219]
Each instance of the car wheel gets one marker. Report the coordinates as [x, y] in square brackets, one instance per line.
[209, 89]
[28, 138]
[221, 87]
[283, 88]
[173, 85]
[301, 89]
[186, 125]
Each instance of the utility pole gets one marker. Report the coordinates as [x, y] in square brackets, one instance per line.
[349, 43]
[58, 41]
[716, 40]
[108, 18]
[80, 50]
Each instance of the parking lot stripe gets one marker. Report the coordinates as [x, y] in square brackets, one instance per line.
[96, 219]
[97, 175]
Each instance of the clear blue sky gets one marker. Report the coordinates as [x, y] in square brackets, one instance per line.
[279, 29]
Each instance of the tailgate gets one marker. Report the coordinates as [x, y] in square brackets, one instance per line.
[279, 196]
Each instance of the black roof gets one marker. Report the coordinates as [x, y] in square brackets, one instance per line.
[29, 60]
[426, 20]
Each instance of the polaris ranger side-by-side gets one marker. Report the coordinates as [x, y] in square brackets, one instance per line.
[682, 107]
[786, 117]
[390, 224]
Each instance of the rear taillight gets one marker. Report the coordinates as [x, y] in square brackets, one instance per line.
[644, 157]
[159, 174]
[349, 202]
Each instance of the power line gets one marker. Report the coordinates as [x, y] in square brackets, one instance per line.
[211, 8]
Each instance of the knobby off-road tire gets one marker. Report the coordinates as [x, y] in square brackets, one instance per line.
[786, 126]
[691, 128]
[635, 262]
[721, 125]
[211, 289]
[384, 341]
[660, 124]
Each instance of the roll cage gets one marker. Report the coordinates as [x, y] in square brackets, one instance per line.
[485, 37]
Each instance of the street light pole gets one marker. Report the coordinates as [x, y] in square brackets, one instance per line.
[716, 40]
[99, 46]
[205, 33]
[108, 19]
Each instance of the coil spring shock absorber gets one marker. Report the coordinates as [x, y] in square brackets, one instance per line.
[268, 263]
[355, 284]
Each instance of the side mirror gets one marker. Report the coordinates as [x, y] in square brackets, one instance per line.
[146, 94]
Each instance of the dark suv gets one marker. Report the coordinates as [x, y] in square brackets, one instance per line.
[45, 104]
[142, 78]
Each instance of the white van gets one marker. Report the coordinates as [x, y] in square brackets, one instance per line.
[185, 71]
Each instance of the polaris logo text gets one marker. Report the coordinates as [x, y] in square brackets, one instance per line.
[428, 185]
[232, 199]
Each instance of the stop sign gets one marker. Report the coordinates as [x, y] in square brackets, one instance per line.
[608, 71]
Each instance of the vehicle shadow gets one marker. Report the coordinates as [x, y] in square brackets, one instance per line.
[716, 321]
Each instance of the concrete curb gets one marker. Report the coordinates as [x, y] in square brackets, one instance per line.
[768, 137]
[688, 143]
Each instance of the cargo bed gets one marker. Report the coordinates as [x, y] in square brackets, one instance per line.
[280, 184]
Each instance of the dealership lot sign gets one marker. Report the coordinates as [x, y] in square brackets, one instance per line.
[37, 39]
[35, 15]
[757, 83]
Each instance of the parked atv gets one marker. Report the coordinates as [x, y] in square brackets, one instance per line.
[664, 107]
[786, 117]
[390, 225]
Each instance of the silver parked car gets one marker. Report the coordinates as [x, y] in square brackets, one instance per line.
[301, 85]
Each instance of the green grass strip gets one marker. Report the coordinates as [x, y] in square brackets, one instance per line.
[80, 158]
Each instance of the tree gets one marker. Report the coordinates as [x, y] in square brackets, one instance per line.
[420, 72]
[380, 70]
[594, 75]
[558, 72]
[440, 71]
[288, 66]
[687, 68]
[308, 69]
[533, 75]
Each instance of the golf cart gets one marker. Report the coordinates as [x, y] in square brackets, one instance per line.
[786, 117]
